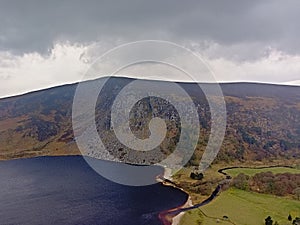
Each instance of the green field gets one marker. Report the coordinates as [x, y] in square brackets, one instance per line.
[243, 208]
[251, 172]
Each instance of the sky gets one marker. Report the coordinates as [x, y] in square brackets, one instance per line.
[49, 43]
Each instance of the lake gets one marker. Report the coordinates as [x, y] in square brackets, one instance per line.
[65, 190]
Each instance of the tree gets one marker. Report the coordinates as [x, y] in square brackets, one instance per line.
[241, 181]
[296, 221]
[269, 221]
[196, 176]
[297, 193]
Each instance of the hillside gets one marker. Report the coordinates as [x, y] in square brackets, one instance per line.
[263, 121]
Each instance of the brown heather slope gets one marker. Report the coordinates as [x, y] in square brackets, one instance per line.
[263, 121]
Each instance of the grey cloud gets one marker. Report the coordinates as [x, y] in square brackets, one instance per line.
[34, 25]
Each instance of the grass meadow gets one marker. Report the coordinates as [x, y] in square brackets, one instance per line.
[243, 208]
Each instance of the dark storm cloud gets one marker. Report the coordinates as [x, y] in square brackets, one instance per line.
[34, 25]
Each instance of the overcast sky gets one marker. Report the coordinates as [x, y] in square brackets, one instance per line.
[47, 43]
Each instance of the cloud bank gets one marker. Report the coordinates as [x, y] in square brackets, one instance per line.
[43, 44]
[67, 63]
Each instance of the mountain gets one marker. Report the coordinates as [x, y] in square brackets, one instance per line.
[263, 121]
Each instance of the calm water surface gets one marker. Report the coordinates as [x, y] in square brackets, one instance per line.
[65, 190]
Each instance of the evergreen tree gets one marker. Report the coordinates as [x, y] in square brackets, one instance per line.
[269, 221]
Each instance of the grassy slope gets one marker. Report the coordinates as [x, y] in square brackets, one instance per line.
[254, 207]
[251, 172]
[244, 208]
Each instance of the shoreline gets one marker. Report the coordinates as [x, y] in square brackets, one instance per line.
[167, 180]
[176, 219]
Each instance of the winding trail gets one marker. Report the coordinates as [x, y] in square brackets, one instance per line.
[247, 167]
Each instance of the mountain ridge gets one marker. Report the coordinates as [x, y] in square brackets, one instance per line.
[263, 120]
[121, 77]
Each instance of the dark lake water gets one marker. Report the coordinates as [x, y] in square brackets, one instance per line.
[65, 190]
